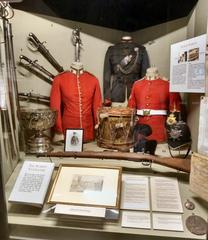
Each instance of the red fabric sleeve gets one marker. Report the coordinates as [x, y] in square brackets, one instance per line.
[97, 101]
[132, 99]
[175, 102]
[55, 103]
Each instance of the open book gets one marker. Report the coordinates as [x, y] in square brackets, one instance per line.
[32, 183]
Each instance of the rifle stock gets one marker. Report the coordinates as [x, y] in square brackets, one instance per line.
[176, 163]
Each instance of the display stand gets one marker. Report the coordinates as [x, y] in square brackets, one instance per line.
[30, 222]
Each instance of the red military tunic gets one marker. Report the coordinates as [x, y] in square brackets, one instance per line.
[77, 98]
[154, 94]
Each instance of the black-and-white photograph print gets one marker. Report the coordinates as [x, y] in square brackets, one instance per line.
[82, 183]
[74, 140]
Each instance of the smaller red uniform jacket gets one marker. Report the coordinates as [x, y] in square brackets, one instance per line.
[77, 98]
[154, 95]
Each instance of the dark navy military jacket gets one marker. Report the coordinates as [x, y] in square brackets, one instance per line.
[124, 64]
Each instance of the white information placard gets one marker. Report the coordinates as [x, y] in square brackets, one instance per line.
[203, 127]
[80, 210]
[135, 192]
[32, 183]
[187, 65]
[165, 195]
[164, 221]
[135, 219]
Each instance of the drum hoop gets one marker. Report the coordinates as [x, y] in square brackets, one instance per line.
[117, 112]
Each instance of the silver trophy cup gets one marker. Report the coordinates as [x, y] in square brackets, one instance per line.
[37, 121]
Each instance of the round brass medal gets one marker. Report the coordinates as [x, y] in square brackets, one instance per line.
[196, 225]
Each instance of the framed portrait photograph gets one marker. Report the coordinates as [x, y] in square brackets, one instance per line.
[87, 185]
[74, 140]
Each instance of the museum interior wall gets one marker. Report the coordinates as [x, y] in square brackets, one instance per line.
[57, 34]
[157, 39]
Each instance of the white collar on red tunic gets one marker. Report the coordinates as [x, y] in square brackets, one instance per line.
[77, 68]
[77, 72]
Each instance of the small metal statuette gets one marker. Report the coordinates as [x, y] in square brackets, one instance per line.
[189, 205]
[77, 42]
[196, 225]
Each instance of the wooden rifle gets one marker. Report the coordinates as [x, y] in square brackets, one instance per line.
[176, 163]
[33, 97]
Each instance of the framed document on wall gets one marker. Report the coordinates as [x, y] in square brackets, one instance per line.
[87, 185]
[74, 140]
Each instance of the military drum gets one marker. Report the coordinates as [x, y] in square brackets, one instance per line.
[115, 130]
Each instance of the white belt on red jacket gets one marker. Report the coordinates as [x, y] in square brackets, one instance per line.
[149, 112]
